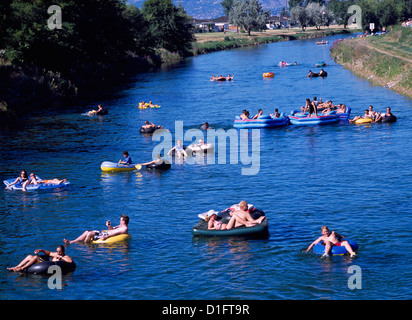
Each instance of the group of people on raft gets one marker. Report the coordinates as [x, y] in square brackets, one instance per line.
[314, 106]
[373, 115]
[24, 179]
[246, 115]
[86, 237]
[222, 78]
[240, 216]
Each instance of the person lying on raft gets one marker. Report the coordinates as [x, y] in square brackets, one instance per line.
[212, 78]
[100, 110]
[88, 236]
[257, 115]
[244, 115]
[33, 180]
[242, 217]
[148, 125]
[380, 116]
[229, 77]
[23, 179]
[331, 239]
[276, 114]
[365, 116]
[341, 108]
[59, 255]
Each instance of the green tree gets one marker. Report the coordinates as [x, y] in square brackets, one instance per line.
[227, 6]
[170, 26]
[339, 8]
[249, 15]
[299, 14]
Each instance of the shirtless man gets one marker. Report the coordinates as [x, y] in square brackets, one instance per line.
[331, 239]
[59, 255]
[89, 236]
[242, 217]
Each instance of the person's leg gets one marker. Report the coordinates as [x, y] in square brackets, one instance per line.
[84, 237]
[25, 263]
[348, 247]
[328, 248]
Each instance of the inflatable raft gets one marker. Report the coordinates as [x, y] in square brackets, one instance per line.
[258, 231]
[43, 267]
[346, 114]
[41, 186]
[363, 121]
[114, 239]
[319, 248]
[199, 148]
[320, 64]
[389, 119]
[108, 166]
[264, 121]
[297, 118]
[268, 75]
[149, 130]
[159, 166]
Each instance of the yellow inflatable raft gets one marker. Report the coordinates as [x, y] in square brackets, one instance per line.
[363, 120]
[114, 239]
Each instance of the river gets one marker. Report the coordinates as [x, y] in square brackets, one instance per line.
[355, 179]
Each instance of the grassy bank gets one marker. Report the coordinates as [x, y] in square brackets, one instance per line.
[209, 42]
[384, 60]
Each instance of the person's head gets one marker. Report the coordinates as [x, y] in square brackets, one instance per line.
[23, 174]
[315, 98]
[179, 142]
[124, 218]
[366, 111]
[99, 106]
[388, 109]
[32, 175]
[60, 250]
[370, 108]
[325, 230]
[146, 122]
[125, 153]
[276, 110]
[308, 100]
[243, 205]
[201, 141]
[260, 111]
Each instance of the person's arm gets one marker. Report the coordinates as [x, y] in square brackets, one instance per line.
[313, 243]
[115, 233]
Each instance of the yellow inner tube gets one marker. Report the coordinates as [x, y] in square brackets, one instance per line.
[118, 238]
[360, 121]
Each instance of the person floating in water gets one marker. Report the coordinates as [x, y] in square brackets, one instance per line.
[331, 239]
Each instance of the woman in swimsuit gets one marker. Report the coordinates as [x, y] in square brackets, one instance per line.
[23, 179]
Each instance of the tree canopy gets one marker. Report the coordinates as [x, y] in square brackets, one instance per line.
[249, 15]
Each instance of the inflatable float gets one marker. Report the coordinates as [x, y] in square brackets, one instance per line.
[147, 106]
[264, 121]
[319, 248]
[159, 166]
[346, 114]
[199, 148]
[268, 75]
[108, 166]
[363, 121]
[320, 64]
[114, 239]
[259, 231]
[220, 79]
[389, 119]
[41, 186]
[43, 267]
[149, 130]
[297, 118]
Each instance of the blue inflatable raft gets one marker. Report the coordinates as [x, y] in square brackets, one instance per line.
[264, 121]
[297, 118]
[41, 186]
[319, 248]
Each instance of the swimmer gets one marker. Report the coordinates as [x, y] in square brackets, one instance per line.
[331, 239]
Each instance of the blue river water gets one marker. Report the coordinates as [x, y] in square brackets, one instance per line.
[356, 179]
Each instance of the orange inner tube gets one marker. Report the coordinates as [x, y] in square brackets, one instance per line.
[268, 75]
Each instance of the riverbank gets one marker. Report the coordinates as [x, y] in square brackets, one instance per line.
[383, 60]
[209, 42]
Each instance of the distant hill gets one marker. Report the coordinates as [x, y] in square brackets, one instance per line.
[210, 9]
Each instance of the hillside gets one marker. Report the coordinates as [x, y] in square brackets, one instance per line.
[383, 60]
[209, 9]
